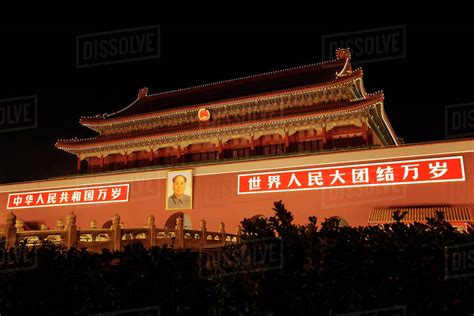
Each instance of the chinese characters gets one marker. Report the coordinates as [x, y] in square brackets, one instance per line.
[384, 173]
[85, 195]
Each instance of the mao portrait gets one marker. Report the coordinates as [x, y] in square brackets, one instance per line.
[179, 187]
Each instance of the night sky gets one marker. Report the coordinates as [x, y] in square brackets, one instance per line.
[435, 72]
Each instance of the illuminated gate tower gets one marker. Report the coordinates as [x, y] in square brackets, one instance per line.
[311, 108]
[233, 141]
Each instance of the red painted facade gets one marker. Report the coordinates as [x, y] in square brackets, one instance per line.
[216, 197]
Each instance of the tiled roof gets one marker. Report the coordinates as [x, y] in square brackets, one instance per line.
[313, 74]
[419, 214]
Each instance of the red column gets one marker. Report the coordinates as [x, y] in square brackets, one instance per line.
[325, 136]
[151, 155]
[220, 150]
[364, 133]
[101, 161]
[316, 138]
[126, 158]
[78, 164]
[252, 143]
[179, 152]
[112, 161]
[287, 142]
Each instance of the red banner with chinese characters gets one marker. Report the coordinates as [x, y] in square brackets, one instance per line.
[429, 170]
[75, 196]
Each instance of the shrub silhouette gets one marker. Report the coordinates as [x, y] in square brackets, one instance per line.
[327, 269]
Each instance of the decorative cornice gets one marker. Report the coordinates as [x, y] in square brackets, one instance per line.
[155, 141]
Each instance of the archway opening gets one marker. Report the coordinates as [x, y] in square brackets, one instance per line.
[342, 222]
[171, 221]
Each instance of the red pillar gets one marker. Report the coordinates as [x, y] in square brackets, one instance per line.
[151, 155]
[316, 139]
[126, 158]
[252, 144]
[325, 136]
[78, 164]
[178, 157]
[112, 162]
[101, 161]
[220, 149]
[364, 133]
[287, 139]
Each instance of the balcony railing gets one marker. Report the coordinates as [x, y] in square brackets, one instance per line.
[116, 237]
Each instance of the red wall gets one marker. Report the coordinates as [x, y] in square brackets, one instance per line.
[216, 199]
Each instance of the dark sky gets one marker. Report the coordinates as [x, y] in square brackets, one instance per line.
[435, 72]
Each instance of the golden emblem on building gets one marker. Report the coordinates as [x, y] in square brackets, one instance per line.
[204, 114]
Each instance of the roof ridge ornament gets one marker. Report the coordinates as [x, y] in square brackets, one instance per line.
[142, 93]
[344, 53]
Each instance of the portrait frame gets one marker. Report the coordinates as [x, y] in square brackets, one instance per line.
[188, 191]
